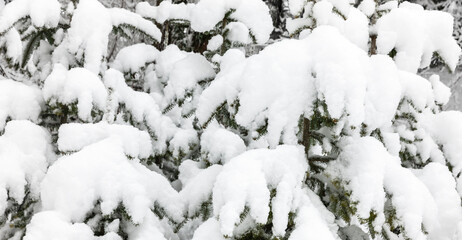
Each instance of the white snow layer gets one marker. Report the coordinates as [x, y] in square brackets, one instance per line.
[280, 87]
[424, 197]
[19, 101]
[101, 171]
[415, 34]
[43, 13]
[88, 36]
[75, 136]
[77, 85]
[134, 57]
[206, 14]
[25, 150]
[247, 180]
[220, 145]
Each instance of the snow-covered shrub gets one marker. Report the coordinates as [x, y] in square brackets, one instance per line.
[186, 133]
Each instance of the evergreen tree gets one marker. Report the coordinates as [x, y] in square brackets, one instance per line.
[200, 120]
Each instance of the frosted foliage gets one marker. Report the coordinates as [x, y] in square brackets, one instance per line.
[43, 13]
[19, 101]
[74, 137]
[448, 137]
[277, 86]
[142, 106]
[415, 34]
[206, 14]
[88, 36]
[101, 171]
[198, 188]
[247, 180]
[371, 172]
[24, 153]
[77, 85]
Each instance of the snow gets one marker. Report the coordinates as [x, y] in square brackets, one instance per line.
[151, 228]
[121, 16]
[142, 107]
[221, 145]
[370, 172]
[255, 15]
[442, 186]
[185, 74]
[214, 43]
[246, 181]
[101, 171]
[198, 189]
[52, 225]
[19, 101]
[88, 36]
[13, 45]
[77, 85]
[416, 34]
[416, 89]
[43, 13]
[25, 152]
[279, 87]
[448, 137]
[296, 6]
[148, 136]
[238, 32]
[322, 12]
[74, 137]
[367, 7]
[441, 92]
[206, 14]
[210, 229]
[134, 57]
